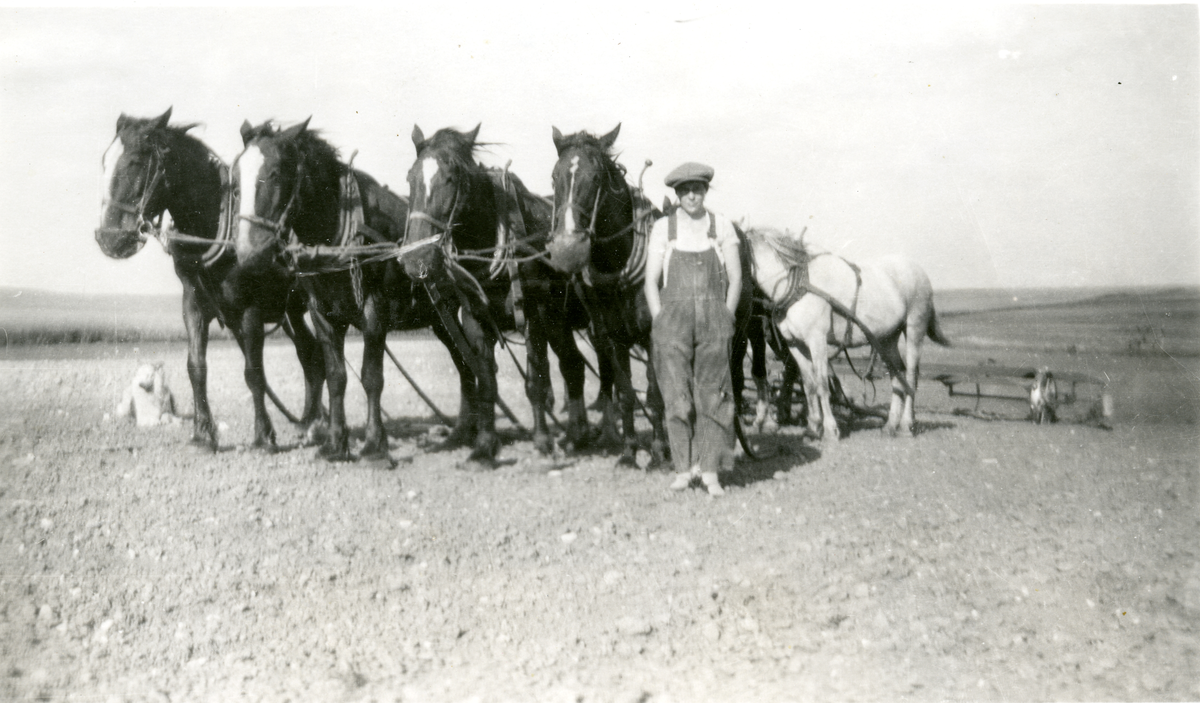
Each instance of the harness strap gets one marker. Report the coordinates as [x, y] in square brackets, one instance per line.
[853, 303]
[672, 231]
[509, 219]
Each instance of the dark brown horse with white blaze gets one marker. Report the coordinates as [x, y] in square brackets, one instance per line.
[302, 206]
[461, 214]
[598, 239]
[152, 168]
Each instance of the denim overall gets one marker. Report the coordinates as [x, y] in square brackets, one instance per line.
[692, 336]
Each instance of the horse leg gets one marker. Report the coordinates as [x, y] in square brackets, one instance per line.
[204, 430]
[912, 357]
[737, 369]
[312, 362]
[374, 331]
[791, 373]
[487, 442]
[463, 432]
[333, 342]
[605, 402]
[660, 452]
[256, 379]
[605, 396]
[899, 399]
[571, 366]
[628, 399]
[821, 377]
[537, 376]
[758, 371]
[820, 412]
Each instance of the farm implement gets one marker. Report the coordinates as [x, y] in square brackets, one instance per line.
[1050, 396]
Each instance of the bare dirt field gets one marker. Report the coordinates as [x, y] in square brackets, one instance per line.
[981, 560]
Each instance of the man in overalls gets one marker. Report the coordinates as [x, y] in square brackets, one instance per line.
[693, 255]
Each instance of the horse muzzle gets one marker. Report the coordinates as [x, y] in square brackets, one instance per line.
[119, 243]
[570, 253]
[420, 264]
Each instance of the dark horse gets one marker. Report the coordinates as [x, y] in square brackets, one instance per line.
[601, 224]
[302, 207]
[152, 168]
[474, 228]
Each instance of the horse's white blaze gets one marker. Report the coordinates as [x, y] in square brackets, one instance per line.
[249, 165]
[429, 169]
[111, 157]
[569, 210]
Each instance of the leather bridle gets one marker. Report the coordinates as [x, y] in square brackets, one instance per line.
[145, 227]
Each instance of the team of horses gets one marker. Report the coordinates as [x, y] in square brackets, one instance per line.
[290, 230]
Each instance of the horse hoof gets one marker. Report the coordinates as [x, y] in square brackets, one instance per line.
[204, 443]
[477, 464]
[453, 441]
[266, 446]
[317, 433]
[373, 452]
[578, 440]
[628, 459]
[543, 444]
[486, 449]
[380, 461]
[334, 453]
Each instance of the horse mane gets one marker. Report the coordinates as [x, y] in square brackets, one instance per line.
[588, 141]
[791, 249]
[312, 146]
[455, 144]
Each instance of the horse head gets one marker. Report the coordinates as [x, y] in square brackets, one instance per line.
[132, 195]
[586, 178]
[280, 178]
[442, 187]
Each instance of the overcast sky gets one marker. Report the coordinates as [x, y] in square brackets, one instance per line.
[1009, 146]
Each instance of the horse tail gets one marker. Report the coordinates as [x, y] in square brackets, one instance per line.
[934, 330]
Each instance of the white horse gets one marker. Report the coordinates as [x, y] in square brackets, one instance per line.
[812, 292]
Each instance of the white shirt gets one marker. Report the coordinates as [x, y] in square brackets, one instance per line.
[690, 235]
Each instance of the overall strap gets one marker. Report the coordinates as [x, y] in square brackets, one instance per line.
[672, 226]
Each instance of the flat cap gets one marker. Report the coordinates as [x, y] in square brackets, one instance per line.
[691, 171]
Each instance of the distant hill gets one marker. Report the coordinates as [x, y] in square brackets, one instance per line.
[1111, 321]
[1115, 320]
[30, 316]
[971, 300]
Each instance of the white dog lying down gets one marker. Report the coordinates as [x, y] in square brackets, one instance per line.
[148, 400]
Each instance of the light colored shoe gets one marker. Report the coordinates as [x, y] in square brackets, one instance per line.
[713, 484]
[681, 482]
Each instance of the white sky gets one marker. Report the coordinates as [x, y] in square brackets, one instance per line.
[1005, 146]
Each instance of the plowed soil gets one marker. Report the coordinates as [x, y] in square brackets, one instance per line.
[980, 560]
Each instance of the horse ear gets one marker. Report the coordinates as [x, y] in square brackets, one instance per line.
[474, 133]
[122, 121]
[299, 129]
[667, 204]
[247, 132]
[162, 120]
[557, 137]
[418, 137]
[611, 138]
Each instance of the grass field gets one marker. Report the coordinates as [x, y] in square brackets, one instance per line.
[1144, 342]
[1111, 321]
